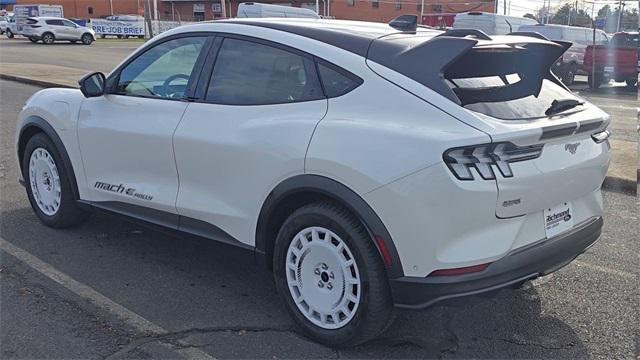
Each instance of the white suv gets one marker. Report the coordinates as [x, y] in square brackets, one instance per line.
[366, 165]
[51, 29]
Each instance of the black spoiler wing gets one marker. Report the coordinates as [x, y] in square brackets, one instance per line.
[434, 61]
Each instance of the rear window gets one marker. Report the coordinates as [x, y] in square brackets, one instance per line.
[31, 21]
[625, 40]
[505, 83]
[529, 106]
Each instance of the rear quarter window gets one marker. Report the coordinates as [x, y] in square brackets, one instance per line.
[336, 82]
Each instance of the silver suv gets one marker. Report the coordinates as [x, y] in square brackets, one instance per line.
[50, 29]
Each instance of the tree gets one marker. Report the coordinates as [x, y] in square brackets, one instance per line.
[604, 11]
[562, 14]
[567, 15]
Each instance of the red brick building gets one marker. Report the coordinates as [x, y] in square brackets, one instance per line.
[196, 10]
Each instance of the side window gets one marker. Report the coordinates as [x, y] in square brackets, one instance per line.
[69, 23]
[162, 71]
[335, 83]
[250, 73]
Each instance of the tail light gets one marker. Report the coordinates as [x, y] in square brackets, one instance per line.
[460, 271]
[483, 158]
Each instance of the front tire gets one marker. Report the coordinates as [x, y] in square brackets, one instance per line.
[33, 40]
[330, 276]
[87, 39]
[10, 34]
[48, 184]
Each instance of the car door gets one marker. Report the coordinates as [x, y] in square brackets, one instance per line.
[72, 32]
[249, 131]
[57, 27]
[125, 136]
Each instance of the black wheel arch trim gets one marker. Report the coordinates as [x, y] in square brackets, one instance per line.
[339, 192]
[43, 126]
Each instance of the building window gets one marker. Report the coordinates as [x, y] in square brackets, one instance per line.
[398, 4]
[375, 3]
[90, 10]
[436, 8]
[419, 6]
[351, 2]
[198, 12]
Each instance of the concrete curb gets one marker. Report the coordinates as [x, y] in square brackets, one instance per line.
[610, 183]
[41, 83]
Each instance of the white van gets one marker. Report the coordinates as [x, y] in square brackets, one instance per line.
[258, 10]
[571, 62]
[492, 24]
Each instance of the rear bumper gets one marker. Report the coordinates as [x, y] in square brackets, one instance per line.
[538, 259]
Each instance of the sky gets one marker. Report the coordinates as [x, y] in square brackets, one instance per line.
[521, 7]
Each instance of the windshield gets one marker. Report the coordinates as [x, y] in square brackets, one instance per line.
[630, 40]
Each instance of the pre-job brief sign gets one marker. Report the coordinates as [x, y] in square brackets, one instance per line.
[113, 27]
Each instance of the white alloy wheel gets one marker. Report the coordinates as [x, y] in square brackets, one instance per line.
[323, 277]
[45, 181]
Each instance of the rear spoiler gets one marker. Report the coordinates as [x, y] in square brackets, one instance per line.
[565, 44]
[459, 52]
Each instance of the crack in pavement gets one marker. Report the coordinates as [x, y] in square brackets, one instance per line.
[175, 339]
[525, 343]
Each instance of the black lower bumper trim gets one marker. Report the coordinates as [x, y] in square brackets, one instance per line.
[538, 259]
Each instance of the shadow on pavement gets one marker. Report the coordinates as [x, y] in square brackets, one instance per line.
[214, 297]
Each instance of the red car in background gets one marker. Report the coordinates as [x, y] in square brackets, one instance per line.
[439, 20]
[617, 60]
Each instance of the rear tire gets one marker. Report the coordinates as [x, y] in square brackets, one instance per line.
[48, 38]
[49, 187]
[333, 300]
[569, 75]
[10, 34]
[631, 82]
[33, 40]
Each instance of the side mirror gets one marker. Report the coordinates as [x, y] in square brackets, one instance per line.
[92, 85]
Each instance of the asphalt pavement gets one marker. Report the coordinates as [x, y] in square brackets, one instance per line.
[111, 289]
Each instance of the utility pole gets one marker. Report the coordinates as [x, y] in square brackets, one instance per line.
[155, 10]
[147, 18]
[422, 9]
[223, 7]
[505, 7]
[111, 6]
[621, 5]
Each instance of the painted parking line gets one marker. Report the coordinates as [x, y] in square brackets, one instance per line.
[131, 318]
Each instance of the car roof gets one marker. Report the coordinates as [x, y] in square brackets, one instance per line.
[47, 18]
[350, 35]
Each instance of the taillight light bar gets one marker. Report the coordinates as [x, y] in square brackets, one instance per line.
[484, 157]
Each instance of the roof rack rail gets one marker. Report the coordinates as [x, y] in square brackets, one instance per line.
[466, 32]
[529, 33]
[407, 22]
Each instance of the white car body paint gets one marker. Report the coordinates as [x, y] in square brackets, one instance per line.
[384, 140]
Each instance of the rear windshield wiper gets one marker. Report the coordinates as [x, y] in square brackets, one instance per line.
[558, 106]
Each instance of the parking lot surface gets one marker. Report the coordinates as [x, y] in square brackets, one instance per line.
[102, 55]
[111, 289]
